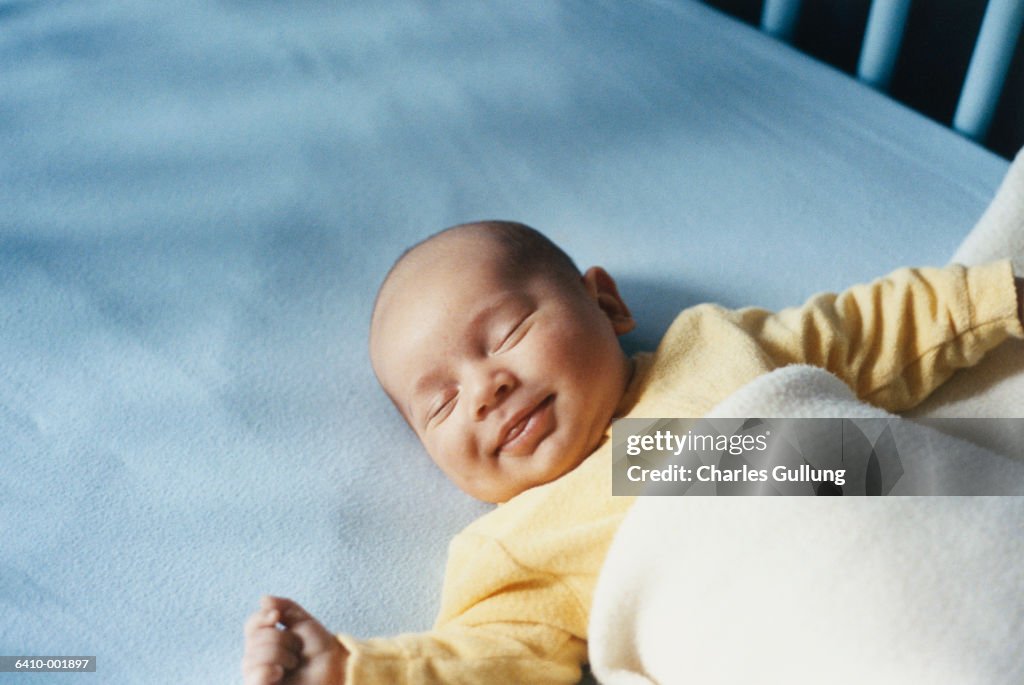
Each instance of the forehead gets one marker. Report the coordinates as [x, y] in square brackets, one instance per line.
[438, 274]
[434, 293]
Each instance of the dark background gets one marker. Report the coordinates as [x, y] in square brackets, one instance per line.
[933, 60]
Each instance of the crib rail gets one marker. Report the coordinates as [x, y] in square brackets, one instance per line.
[986, 73]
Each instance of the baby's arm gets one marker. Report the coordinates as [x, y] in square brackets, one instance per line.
[302, 653]
[897, 339]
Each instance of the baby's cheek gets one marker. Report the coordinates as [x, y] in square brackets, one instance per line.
[456, 447]
[562, 347]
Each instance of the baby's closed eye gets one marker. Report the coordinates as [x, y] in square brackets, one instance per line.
[514, 334]
[443, 407]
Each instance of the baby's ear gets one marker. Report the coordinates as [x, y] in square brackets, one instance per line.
[601, 287]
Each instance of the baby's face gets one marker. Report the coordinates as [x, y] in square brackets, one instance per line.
[508, 381]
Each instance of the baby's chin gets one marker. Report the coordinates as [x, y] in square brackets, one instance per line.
[553, 458]
[511, 487]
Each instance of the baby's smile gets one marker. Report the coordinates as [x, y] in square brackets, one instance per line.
[524, 431]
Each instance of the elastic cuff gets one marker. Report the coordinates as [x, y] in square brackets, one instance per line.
[993, 296]
[363, 667]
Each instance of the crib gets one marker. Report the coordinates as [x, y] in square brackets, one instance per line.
[885, 26]
[887, 21]
[198, 201]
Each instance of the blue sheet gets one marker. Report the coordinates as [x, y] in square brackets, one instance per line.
[198, 200]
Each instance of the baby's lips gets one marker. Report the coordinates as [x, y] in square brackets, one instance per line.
[522, 436]
[516, 430]
[511, 428]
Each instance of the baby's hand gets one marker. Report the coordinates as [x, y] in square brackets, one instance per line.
[303, 653]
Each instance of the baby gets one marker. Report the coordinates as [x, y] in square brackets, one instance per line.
[504, 359]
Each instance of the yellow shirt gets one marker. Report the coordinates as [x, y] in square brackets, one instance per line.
[520, 579]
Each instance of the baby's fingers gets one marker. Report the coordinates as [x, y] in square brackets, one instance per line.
[262, 674]
[288, 612]
[278, 643]
[315, 638]
[279, 659]
[269, 653]
[264, 618]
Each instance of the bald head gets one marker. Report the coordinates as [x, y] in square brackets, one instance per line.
[514, 251]
[525, 251]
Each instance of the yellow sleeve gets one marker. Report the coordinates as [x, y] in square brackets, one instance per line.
[456, 655]
[897, 339]
[500, 623]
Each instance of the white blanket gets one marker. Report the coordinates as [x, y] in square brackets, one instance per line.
[834, 590]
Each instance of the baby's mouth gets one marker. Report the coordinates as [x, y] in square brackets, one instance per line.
[524, 435]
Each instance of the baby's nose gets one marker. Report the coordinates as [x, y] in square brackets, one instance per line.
[493, 391]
